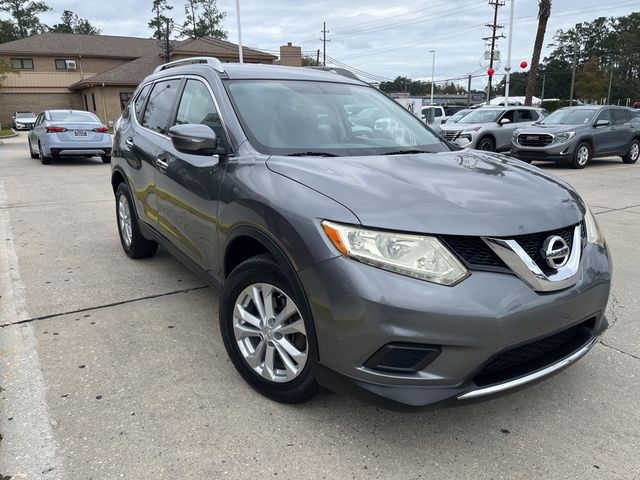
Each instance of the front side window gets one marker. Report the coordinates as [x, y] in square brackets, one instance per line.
[158, 110]
[22, 63]
[197, 107]
[296, 117]
[604, 115]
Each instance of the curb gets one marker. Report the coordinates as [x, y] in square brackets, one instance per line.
[14, 134]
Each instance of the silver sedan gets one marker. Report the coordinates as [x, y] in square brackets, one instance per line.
[69, 133]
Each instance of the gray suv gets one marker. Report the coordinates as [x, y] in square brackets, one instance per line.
[575, 135]
[373, 259]
[490, 128]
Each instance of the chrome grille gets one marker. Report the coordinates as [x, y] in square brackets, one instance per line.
[534, 139]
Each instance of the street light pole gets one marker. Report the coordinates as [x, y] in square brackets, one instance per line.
[239, 32]
[433, 71]
[508, 67]
[573, 70]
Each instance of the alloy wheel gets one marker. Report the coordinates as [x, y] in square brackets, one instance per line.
[124, 218]
[270, 333]
[583, 155]
[635, 151]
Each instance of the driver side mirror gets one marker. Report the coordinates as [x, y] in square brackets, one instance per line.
[601, 122]
[504, 121]
[195, 139]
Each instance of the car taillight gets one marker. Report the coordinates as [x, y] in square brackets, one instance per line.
[101, 130]
[56, 129]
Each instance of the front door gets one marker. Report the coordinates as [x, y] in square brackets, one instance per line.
[604, 135]
[504, 132]
[188, 185]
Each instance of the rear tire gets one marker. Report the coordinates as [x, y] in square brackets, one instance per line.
[277, 365]
[634, 152]
[134, 244]
[44, 160]
[581, 156]
[486, 144]
[106, 158]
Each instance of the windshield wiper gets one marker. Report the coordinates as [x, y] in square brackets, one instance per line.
[406, 152]
[311, 154]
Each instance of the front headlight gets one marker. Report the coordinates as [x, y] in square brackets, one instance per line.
[594, 235]
[565, 136]
[514, 137]
[417, 256]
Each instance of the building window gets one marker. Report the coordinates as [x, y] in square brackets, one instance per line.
[93, 100]
[22, 63]
[124, 99]
[66, 64]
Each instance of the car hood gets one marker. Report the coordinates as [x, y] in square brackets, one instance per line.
[462, 127]
[460, 193]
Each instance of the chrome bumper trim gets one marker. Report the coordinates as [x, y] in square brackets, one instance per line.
[532, 376]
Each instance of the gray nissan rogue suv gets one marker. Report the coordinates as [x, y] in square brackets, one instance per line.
[373, 259]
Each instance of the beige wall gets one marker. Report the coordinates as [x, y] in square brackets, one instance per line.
[35, 102]
[107, 101]
[91, 65]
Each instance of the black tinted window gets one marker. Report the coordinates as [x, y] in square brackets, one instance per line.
[158, 110]
[526, 116]
[140, 99]
[619, 116]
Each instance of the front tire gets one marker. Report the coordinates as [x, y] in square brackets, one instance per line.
[581, 156]
[486, 144]
[131, 239]
[634, 152]
[267, 332]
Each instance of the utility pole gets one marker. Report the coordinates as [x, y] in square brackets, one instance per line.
[609, 91]
[433, 72]
[324, 43]
[318, 58]
[494, 29]
[239, 32]
[508, 67]
[167, 43]
[544, 78]
[573, 69]
[469, 92]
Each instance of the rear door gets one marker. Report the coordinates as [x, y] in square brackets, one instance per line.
[144, 139]
[188, 185]
[622, 132]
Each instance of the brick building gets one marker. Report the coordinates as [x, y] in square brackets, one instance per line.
[97, 73]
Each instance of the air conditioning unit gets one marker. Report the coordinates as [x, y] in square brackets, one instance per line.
[71, 64]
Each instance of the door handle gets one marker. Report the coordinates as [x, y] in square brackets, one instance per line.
[161, 164]
[129, 142]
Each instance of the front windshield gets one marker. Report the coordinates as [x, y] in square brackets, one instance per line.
[570, 117]
[456, 117]
[25, 115]
[303, 117]
[481, 115]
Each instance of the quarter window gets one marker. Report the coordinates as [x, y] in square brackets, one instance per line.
[161, 100]
[22, 63]
[140, 101]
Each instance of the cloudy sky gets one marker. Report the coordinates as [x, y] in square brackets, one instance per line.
[384, 38]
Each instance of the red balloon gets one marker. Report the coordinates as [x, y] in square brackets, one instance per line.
[523, 64]
[490, 72]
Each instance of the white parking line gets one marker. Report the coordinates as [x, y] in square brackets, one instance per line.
[28, 446]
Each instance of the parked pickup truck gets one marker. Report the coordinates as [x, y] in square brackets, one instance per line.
[575, 135]
[436, 114]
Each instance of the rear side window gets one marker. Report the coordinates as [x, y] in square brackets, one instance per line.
[158, 109]
[140, 99]
[526, 116]
[619, 116]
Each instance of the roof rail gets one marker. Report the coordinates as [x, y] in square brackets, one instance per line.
[212, 61]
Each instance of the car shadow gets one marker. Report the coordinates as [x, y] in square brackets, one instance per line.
[66, 161]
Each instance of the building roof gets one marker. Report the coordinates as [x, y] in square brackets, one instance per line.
[131, 73]
[74, 44]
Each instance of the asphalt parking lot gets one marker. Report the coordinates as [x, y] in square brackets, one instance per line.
[112, 368]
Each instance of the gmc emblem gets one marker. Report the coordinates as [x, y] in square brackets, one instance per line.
[532, 137]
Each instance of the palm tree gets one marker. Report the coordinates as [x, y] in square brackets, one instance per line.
[544, 11]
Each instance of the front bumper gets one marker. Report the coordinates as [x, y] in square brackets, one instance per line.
[555, 152]
[358, 309]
